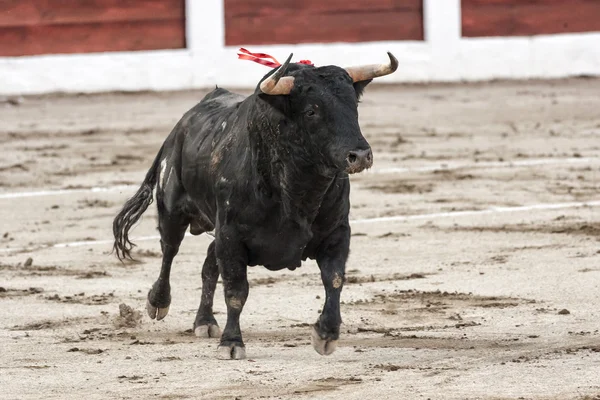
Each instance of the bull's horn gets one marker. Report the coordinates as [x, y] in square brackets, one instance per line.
[277, 83]
[366, 72]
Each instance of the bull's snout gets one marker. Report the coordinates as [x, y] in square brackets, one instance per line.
[359, 160]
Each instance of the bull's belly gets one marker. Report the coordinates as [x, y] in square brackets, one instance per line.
[276, 259]
[277, 252]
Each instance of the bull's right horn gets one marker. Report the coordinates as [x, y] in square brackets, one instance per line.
[366, 72]
[277, 83]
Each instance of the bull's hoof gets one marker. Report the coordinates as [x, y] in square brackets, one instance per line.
[231, 351]
[207, 331]
[157, 313]
[324, 347]
[158, 301]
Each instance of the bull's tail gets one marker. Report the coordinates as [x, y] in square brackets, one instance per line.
[133, 210]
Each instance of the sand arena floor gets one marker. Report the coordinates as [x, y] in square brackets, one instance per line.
[474, 269]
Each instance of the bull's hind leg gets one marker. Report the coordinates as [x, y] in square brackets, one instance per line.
[205, 324]
[172, 227]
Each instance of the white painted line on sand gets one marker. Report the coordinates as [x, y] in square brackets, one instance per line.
[55, 192]
[492, 210]
[395, 218]
[442, 166]
[487, 164]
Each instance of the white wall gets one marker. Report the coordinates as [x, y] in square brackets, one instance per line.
[443, 56]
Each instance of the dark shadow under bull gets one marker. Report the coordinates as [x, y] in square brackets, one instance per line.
[269, 174]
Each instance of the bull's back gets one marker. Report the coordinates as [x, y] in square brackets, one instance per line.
[205, 130]
[205, 119]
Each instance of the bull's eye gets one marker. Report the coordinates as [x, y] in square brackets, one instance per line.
[310, 113]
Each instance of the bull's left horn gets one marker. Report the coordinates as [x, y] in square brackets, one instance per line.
[366, 72]
[277, 83]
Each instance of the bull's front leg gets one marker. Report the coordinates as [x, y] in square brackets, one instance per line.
[232, 262]
[331, 258]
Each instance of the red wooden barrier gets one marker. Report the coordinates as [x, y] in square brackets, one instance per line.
[528, 17]
[321, 21]
[29, 27]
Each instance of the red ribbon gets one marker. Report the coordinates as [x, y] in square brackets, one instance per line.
[264, 59]
[258, 58]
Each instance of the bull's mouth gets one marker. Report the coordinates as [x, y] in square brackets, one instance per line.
[351, 169]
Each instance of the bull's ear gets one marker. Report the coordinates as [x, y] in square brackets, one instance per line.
[359, 87]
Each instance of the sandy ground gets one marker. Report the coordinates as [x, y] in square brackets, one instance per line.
[469, 297]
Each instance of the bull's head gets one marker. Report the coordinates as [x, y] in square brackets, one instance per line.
[322, 103]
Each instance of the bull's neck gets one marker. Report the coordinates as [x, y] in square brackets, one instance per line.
[286, 169]
[301, 187]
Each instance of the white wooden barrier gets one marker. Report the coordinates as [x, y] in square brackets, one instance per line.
[443, 56]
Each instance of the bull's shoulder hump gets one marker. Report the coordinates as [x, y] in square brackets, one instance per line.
[215, 105]
[221, 98]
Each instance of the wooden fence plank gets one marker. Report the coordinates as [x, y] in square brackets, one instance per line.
[235, 8]
[48, 12]
[528, 17]
[470, 3]
[93, 37]
[312, 21]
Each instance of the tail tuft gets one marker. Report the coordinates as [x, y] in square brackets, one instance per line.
[132, 211]
[127, 217]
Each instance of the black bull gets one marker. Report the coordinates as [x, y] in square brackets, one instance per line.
[269, 174]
